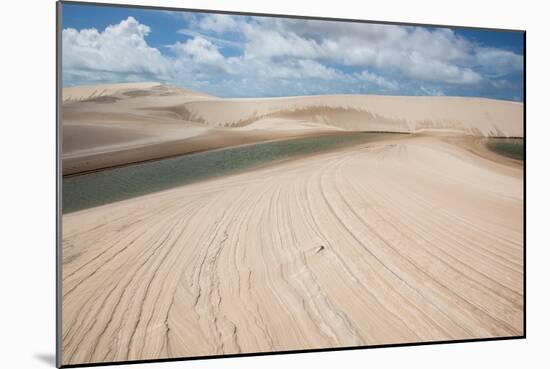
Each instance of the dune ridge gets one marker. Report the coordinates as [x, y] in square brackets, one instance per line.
[80, 93]
[109, 125]
[406, 114]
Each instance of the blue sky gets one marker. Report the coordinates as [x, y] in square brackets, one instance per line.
[242, 56]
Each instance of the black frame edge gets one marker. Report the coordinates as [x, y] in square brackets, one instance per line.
[524, 184]
[58, 184]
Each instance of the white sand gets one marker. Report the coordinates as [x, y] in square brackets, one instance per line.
[474, 116]
[79, 93]
[405, 240]
[110, 125]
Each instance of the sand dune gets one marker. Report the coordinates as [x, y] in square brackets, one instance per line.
[473, 116]
[111, 125]
[101, 92]
[404, 240]
[127, 123]
[80, 93]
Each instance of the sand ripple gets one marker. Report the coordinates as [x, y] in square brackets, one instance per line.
[406, 240]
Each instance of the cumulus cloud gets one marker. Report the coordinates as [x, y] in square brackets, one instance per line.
[432, 55]
[218, 23]
[497, 61]
[119, 49]
[378, 80]
[239, 55]
[293, 69]
[430, 91]
[200, 51]
[218, 41]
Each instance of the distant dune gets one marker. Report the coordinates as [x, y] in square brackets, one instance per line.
[109, 125]
[80, 93]
[472, 116]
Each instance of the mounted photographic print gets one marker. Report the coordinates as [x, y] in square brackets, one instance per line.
[240, 184]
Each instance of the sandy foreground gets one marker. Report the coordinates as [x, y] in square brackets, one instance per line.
[111, 125]
[403, 240]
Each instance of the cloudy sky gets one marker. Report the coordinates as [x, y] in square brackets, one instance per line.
[242, 56]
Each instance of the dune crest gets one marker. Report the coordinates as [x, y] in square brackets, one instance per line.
[118, 124]
[407, 114]
[79, 93]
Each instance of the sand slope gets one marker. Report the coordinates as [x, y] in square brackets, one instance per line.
[81, 93]
[398, 241]
[473, 116]
[109, 125]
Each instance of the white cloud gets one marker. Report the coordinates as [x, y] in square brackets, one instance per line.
[291, 70]
[497, 61]
[266, 43]
[120, 48]
[218, 23]
[313, 69]
[437, 55]
[200, 50]
[431, 91]
[273, 56]
[378, 80]
[420, 67]
[215, 40]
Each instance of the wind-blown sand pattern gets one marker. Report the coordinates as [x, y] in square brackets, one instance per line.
[407, 239]
[380, 244]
